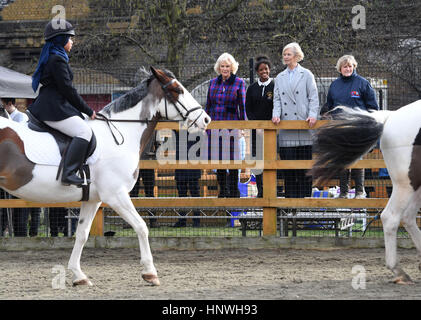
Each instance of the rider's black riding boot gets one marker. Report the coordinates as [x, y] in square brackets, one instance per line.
[73, 160]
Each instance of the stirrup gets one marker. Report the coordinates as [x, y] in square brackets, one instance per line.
[86, 180]
[67, 182]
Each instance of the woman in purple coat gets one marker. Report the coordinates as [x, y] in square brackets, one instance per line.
[226, 101]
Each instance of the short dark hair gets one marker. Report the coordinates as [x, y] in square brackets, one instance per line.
[262, 59]
[7, 100]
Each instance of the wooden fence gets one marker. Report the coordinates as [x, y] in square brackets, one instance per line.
[270, 202]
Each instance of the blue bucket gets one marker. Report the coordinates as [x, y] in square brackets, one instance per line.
[234, 213]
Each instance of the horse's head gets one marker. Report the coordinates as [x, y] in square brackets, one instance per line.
[179, 104]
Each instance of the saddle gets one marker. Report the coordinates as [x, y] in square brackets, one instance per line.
[63, 142]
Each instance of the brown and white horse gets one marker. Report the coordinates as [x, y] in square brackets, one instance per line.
[338, 145]
[115, 167]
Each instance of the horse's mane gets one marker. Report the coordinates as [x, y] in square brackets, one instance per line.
[133, 96]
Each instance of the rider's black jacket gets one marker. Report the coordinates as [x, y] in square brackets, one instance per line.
[58, 99]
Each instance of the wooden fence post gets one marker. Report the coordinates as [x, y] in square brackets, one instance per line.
[269, 183]
[97, 228]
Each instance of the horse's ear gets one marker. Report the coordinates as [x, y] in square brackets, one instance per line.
[157, 74]
[154, 72]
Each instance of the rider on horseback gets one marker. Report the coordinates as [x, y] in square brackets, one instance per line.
[58, 104]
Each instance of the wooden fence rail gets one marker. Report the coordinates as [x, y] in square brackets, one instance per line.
[270, 165]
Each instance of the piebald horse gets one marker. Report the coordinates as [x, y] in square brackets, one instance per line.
[130, 124]
[338, 145]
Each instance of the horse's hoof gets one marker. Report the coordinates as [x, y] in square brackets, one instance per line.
[152, 279]
[406, 280]
[83, 282]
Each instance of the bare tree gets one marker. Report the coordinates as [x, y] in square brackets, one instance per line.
[182, 33]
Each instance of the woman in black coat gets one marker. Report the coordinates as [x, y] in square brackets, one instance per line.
[58, 104]
[259, 105]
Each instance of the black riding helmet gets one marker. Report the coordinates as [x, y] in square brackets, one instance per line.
[57, 27]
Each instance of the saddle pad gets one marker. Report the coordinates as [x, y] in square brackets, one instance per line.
[40, 147]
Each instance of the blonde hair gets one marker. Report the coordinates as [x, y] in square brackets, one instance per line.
[226, 57]
[295, 47]
[344, 60]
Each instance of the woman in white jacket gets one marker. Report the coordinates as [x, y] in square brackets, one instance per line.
[295, 98]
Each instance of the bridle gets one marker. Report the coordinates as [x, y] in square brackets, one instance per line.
[168, 96]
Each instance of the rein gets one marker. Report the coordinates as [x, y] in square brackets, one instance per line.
[109, 122]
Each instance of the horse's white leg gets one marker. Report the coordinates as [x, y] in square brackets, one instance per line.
[123, 205]
[410, 221]
[87, 214]
[391, 217]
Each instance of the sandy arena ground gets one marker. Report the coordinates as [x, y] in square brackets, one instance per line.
[210, 274]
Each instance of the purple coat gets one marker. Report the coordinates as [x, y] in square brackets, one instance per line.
[225, 101]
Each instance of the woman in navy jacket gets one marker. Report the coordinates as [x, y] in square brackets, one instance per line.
[58, 104]
[351, 90]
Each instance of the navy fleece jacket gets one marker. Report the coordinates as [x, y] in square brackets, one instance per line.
[353, 91]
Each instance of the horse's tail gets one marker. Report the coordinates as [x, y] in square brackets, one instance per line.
[340, 143]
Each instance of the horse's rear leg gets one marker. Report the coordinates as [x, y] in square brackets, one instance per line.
[410, 221]
[391, 217]
[87, 214]
[122, 204]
